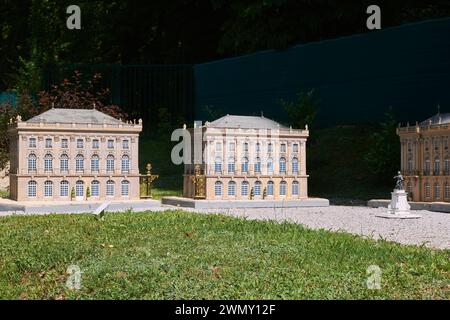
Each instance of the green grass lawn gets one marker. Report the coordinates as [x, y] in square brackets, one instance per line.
[179, 255]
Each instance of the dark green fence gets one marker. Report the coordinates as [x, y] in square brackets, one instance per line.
[139, 89]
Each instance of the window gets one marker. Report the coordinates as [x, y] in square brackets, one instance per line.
[437, 191]
[48, 188]
[48, 142]
[64, 143]
[232, 188]
[257, 188]
[79, 163]
[258, 147]
[295, 166]
[270, 147]
[427, 190]
[95, 188]
[48, 162]
[32, 188]
[446, 191]
[64, 163]
[64, 188]
[282, 188]
[244, 165]
[125, 144]
[125, 164]
[32, 143]
[270, 188]
[231, 167]
[218, 165]
[110, 188]
[95, 163]
[446, 166]
[295, 188]
[110, 163]
[32, 163]
[218, 147]
[258, 165]
[80, 143]
[245, 147]
[282, 165]
[270, 165]
[95, 144]
[110, 144]
[295, 147]
[437, 166]
[79, 188]
[244, 188]
[218, 189]
[427, 166]
[125, 188]
[410, 165]
[283, 147]
[231, 147]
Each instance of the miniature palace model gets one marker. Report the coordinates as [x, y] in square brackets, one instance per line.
[74, 154]
[247, 157]
[425, 158]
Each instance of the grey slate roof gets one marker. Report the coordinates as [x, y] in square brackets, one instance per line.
[440, 118]
[58, 115]
[245, 122]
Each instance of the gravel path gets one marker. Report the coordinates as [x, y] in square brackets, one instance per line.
[432, 230]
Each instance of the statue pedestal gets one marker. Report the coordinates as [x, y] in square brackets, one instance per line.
[399, 207]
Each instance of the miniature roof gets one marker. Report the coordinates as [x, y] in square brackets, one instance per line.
[440, 118]
[245, 122]
[58, 115]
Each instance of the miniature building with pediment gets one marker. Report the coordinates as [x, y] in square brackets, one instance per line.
[74, 154]
[249, 157]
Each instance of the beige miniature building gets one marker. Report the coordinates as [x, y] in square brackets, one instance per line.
[247, 157]
[74, 154]
[425, 159]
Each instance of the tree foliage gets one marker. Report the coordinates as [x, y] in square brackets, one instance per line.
[303, 110]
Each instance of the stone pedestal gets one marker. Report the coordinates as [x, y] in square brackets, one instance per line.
[399, 207]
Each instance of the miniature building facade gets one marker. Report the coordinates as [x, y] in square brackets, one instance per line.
[246, 157]
[74, 154]
[425, 159]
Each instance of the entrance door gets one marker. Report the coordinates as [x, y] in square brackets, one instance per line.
[79, 191]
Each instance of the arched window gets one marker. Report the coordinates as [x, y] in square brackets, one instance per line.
[427, 190]
[32, 188]
[410, 165]
[258, 165]
[446, 166]
[95, 163]
[79, 163]
[232, 188]
[257, 188]
[110, 163]
[245, 146]
[218, 165]
[95, 188]
[231, 167]
[283, 188]
[427, 166]
[48, 162]
[48, 188]
[125, 188]
[437, 191]
[270, 165]
[110, 188]
[282, 165]
[64, 163]
[244, 165]
[437, 166]
[218, 189]
[244, 188]
[64, 188]
[294, 165]
[270, 188]
[447, 191]
[32, 163]
[270, 147]
[125, 164]
[295, 188]
[79, 188]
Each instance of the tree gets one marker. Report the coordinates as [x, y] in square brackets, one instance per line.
[303, 110]
[383, 157]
